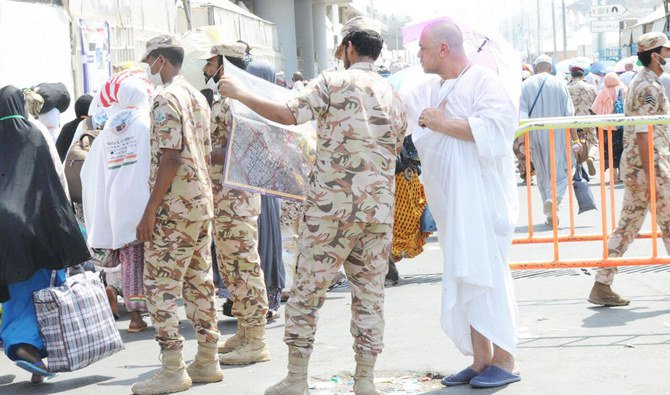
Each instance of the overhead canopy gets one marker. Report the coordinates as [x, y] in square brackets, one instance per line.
[224, 4]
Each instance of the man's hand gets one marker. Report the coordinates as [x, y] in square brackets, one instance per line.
[433, 118]
[229, 88]
[577, 148]
[218, 156]
[145, 229]
[649, 190]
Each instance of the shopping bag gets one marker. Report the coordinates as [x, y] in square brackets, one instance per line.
[427, 221]
[76, 322]
[583, 193]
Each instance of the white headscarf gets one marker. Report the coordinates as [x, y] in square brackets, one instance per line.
[115, 175]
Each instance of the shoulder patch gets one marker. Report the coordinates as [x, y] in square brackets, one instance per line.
[649, 100]
[159, 116]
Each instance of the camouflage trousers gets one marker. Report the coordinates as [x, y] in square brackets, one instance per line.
[519, 149]
[633, 213]
[236, 239]
[326, 245]
[178, 263]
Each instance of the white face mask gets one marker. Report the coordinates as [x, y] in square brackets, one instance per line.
[213, 85]
[665, 66]
[155, 79]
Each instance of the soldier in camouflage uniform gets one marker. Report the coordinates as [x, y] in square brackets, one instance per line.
[236, 233]
[350, 198]
[175, 224]
[646, 96]
[583, 95]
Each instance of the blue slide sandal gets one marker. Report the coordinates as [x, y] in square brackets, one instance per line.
[493, 377]
[37, 368]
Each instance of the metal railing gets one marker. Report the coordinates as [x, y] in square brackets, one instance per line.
[604, 123]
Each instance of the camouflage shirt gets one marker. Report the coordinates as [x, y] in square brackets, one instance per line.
[361, 123]
[646, 96]
[180, 121]
[583, 95]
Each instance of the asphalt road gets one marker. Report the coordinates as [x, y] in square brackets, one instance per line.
[566, 345]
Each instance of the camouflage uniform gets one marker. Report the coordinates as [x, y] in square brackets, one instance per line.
[583, 95]
[519, 149]
[178, 260]
[646, 96]
[236, 233]
[348, 213]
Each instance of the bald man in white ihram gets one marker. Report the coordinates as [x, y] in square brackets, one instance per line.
[466, 155]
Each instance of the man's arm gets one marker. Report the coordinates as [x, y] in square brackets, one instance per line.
[642, 141]
[167, 170]
[276, 112]
[458, 128]
[648, 102]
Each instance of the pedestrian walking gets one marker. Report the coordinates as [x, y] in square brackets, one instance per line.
[544, 95]
[583, 95]
[646, 96]
[39, 232]
[610, 100]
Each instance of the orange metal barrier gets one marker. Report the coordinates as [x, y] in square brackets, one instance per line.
[601, 122]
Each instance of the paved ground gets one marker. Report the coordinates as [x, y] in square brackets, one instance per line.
[565, 344]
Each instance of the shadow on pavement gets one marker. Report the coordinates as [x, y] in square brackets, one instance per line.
[465, 389]
[628, 340]
[6, 379]
[541, 227]
[608, 316]
[54, 386]
[129, 382]
[601, 309]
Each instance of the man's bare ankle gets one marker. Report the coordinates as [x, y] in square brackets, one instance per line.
[479, 367]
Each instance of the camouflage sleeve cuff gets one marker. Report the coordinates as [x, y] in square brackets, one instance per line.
[641, 129]
[301, 110]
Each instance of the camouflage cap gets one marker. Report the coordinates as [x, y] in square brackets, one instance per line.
[651, 40]
[163, 41]
[361, 23]
[231, 49]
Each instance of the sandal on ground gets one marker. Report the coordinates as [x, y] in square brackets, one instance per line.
[137, 329]
[460, 378]
[38, 368]
[494, 376]
[272, 315]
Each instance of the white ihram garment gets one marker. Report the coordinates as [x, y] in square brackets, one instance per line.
[471, 192]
